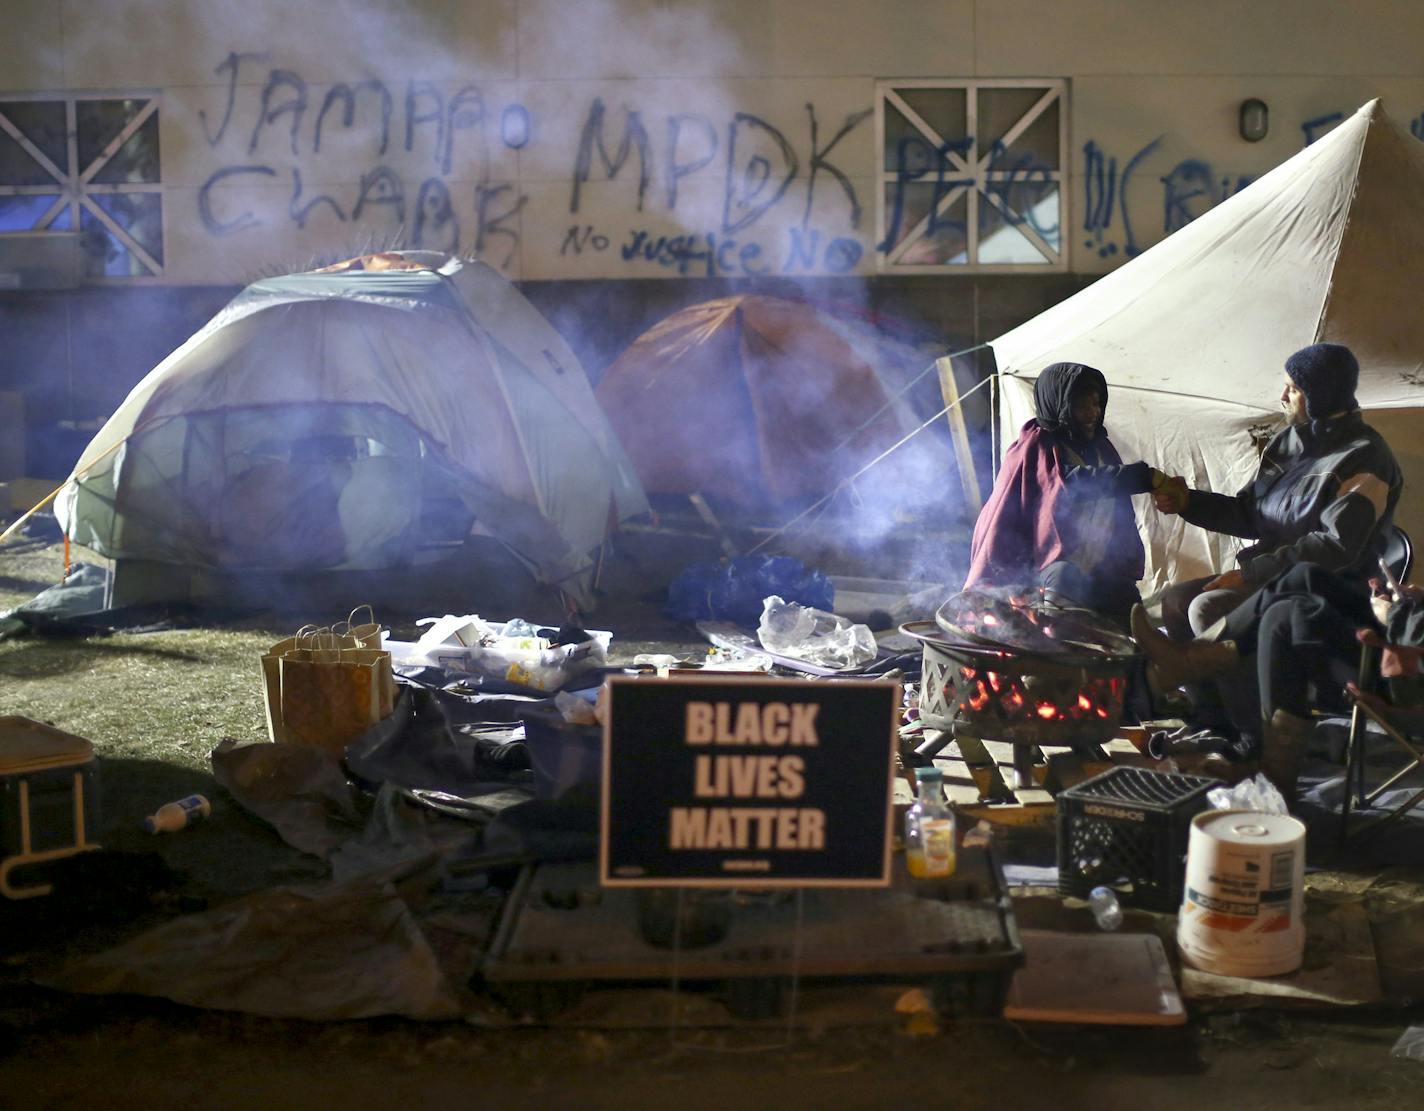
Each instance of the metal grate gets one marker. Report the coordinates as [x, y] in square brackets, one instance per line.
[1141, 787]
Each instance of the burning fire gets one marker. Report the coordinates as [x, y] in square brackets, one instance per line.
[1027, 623]
[1007, 696]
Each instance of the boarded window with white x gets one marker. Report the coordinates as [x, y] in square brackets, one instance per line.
[87, 164]
[971, 175]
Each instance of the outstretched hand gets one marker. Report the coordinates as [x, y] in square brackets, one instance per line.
[1170, 495]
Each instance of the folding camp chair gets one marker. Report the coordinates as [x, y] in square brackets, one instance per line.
[1399, 557]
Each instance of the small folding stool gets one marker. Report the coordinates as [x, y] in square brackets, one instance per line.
[49, 799]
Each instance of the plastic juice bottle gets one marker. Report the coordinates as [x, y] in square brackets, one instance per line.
[173, 816]
[929, 829]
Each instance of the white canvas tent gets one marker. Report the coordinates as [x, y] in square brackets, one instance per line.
[1193, 334]
[342, 421]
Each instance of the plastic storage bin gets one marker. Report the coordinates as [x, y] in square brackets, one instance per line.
[1128, 829]
[561, 935]
[565, 758]
[49, 799]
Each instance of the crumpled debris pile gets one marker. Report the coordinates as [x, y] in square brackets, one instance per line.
[514, 651]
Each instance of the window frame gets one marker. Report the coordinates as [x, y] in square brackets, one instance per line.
[1055, 90]
[76, 186]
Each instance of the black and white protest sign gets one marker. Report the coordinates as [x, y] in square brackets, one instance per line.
[722, 782]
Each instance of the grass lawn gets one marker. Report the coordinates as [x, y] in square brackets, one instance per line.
[167, 696]
[154, 704]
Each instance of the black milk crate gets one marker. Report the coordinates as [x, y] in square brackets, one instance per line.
[1129, 826]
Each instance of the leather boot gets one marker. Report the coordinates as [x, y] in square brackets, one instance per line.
[1282, 750]
[1219, 766]
[1170, 664]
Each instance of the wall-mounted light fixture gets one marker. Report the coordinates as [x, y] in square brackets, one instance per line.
[1254, 120]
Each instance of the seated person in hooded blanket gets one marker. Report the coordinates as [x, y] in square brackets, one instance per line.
[1060, 517]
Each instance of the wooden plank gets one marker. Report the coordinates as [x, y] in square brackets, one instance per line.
[1034, 796]
[1137, 734]
[973, 751]
[1065, 769]
[1001, 752]
[1040, 814]
[960, 786]
[709, 518]
[1114, 979]
[959, 434]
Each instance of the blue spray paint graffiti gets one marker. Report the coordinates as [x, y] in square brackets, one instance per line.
[1313, 129]
[1191, 188]
[1105, 198]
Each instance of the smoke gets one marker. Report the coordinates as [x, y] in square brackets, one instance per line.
[578, 147]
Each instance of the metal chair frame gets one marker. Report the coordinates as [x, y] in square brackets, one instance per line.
[1356, 794]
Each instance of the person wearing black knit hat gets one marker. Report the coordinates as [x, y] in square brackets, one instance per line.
[1323, 377]
[1324, 494]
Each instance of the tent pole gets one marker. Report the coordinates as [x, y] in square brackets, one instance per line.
[15, 526]
[959, 433]
[994, 425]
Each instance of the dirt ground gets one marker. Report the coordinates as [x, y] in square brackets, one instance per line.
[60, 1050]
[120, 1054]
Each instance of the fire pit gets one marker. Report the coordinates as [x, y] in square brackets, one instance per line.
[999, 666]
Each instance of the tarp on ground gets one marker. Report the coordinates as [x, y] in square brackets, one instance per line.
[1193, 334]
[338, 419]
[756, 400]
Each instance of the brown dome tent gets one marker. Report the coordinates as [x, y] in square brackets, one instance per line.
[755, 399]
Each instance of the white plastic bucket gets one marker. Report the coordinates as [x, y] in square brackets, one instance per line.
[1244, 899]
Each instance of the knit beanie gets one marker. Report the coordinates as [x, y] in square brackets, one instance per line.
[1327, 374]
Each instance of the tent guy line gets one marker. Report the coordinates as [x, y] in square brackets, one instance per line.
[1264, 409]
[769, 537]
[902, 392]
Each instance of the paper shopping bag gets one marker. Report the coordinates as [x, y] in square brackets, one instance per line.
[367, 634]
[329, 697]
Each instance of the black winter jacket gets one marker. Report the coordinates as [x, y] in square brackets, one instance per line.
[1323, 494]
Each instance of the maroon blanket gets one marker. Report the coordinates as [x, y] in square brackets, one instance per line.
[1033, 518]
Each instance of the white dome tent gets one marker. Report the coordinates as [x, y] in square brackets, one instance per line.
[1193, 334]
[341, 420]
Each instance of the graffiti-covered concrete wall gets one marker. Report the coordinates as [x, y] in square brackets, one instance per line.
[610, 139]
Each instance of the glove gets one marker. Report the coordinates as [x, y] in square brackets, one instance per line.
[1169, 492]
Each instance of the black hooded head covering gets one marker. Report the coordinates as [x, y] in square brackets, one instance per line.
[1053, 392]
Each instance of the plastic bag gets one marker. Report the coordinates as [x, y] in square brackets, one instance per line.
[813, 635]
[1410, 1046]
[529, 661]
[575, 709]
[1257, 793]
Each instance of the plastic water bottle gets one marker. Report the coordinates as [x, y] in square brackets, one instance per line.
[173, 816]
[1102, 901]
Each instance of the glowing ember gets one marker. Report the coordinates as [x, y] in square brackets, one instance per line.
[1084, 702]
[990, 620]
[1047, 710]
